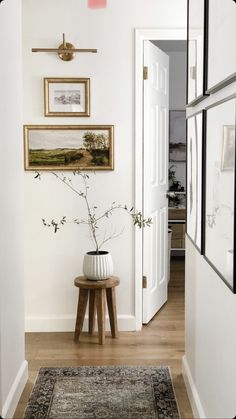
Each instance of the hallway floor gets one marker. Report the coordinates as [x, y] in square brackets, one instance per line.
[161, 342]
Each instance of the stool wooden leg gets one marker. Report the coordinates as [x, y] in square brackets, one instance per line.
[91, 311]
[82, 304]
[111, 304]
[101, 312]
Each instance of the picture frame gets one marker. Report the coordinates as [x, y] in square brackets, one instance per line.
[69, 147]
[67, 97]
[219, 190]
[221, 62]
[196, 51]
[177, 136]
[195, 176]
[228, 155]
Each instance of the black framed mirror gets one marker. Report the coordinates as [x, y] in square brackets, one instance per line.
[197, 51]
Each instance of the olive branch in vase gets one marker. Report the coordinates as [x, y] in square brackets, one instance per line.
[93, 219]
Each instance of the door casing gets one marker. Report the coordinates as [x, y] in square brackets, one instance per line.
[140, 36]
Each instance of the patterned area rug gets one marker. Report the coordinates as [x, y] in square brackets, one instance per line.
[103, 393]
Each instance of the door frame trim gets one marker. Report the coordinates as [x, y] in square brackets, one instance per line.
[140, 36]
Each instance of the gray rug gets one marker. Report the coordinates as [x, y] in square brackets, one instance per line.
[103, 393]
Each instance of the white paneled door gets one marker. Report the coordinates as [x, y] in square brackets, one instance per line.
[155, 186]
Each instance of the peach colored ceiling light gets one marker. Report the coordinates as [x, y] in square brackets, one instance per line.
[97, 4]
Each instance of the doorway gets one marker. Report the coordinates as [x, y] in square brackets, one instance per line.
[166, 40]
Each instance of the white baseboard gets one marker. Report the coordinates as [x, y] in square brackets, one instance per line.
[126, 323]
[15, 392]
[193, 395]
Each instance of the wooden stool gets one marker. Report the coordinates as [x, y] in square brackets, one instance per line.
[98, 292]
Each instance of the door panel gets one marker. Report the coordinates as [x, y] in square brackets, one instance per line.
[153, 262]
[163, 146]
[162, 244]
[155, 164]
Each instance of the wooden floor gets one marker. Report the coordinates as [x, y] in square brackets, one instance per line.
[161, 342]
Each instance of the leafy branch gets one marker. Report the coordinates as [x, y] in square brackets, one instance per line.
[93, 219]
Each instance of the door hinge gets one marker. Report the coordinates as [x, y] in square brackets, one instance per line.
[144, 281]
[145, 73]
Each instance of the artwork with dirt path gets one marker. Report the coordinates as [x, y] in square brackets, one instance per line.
[72, 149]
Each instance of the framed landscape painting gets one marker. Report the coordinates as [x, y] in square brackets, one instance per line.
[68, 147]
[219, 223]
[66, 97]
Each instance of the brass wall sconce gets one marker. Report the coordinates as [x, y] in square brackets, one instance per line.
[66, 51]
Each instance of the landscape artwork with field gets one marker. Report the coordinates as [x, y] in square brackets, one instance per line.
[71, 148]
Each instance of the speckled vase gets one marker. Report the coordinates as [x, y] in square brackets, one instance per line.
[97, 266]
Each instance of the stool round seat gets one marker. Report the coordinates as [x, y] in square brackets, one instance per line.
[82, 282]
[97, 293]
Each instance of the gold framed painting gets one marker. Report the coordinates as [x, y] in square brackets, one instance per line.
[69, 147]
[66, 96]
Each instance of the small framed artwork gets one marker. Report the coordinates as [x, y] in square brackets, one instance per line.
[196, 54]
[195, 157]
[228, 148]
[219, 212]
[68, 147]
[66, 97]
[221, 32]
[177, 135]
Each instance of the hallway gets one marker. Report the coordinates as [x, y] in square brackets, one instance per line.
[161, 342]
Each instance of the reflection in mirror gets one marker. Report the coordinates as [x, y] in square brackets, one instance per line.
[195, 50]
[194, 178]
[219, 200]
[221, 45]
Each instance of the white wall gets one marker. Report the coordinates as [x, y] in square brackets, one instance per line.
[13, 367]
[52, 261]
[209, 366]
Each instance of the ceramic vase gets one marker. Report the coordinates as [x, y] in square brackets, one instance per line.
[97, 266]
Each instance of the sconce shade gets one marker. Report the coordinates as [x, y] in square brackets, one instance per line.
[97, 4]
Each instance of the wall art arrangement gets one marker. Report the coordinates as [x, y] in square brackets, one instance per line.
[211, 139]
[221, 50]
[211, 23]
[66, 97]
[68, 147]
[197, 32]
[195, 140]
[220, 189]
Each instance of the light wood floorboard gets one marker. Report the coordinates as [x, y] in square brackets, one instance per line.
[161, 342]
